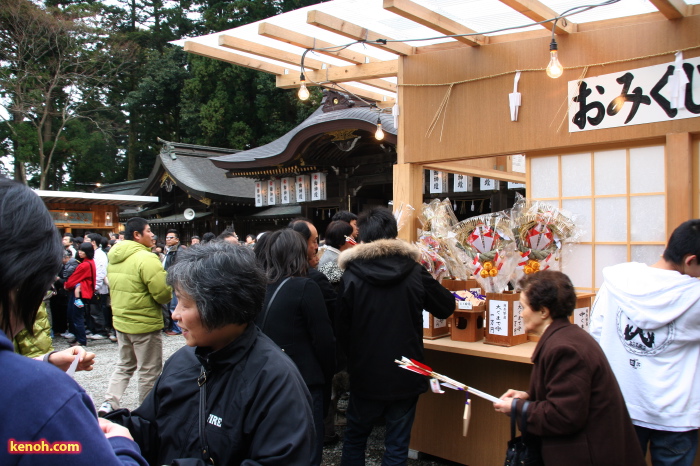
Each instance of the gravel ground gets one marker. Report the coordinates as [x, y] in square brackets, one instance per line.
[95, 383]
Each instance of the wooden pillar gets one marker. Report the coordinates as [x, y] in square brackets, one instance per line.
[679, 180]
[407, 177]
[408, 190]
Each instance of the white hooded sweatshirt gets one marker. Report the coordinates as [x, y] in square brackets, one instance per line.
[647, 320]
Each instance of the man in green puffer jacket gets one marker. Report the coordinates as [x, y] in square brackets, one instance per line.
[138, 289]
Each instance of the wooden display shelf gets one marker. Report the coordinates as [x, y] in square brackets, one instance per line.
[520, 353]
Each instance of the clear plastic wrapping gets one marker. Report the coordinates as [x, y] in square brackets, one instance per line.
[490, 247]
[541, 231]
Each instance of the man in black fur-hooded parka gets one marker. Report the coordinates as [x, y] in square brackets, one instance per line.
[382, 295]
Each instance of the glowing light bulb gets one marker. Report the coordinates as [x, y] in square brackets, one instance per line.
[379, 134]
[554, 69]
[303, 91]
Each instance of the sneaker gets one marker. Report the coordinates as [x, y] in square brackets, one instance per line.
[97, 336]
[76, 343]
[172, 333]
[88, 332]
[105, 409]
[68, 336]
[113, 338]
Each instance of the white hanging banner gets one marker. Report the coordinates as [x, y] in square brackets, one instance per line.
[635, 97]
[260, 193]
[514, 98]
[438, 182]
[273, 192]
[517, 163]
[677, 83]
[287, 191]
[463, 183]
[487, 184]
[318, 187]
[303, 188]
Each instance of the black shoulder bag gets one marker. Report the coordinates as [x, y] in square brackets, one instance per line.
[269, 303]
[521, 450]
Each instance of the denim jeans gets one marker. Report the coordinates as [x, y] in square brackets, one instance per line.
[669, 448]
[172, 324]
[361, 415]
[76, 320]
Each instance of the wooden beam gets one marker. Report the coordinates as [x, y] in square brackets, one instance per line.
[381, 84]
[306, 42]
[382, 100]
[355, 32]
[341, 74]
[433, 20]
[671, 9]
[291, 58]
[234, 58]
[538, 11]
[268, 52]
[476, 167]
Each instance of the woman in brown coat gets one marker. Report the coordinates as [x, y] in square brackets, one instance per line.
[575, 404]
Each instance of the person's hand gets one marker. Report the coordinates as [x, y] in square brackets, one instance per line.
[111, 429]
[516, 394]
[63, 359]
[506, 400]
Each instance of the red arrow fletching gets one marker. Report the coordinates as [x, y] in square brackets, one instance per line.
[421, 365]
[417, 370]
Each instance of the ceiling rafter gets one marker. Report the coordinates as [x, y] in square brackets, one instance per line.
[254, 48]
[339, 74]
[234, 58]
[355, 32]
[433, 20]
[671, 9]
[243, 45]
[307, 42]
[538, 11]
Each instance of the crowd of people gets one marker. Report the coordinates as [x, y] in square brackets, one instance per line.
[272, 324]
[262, 325]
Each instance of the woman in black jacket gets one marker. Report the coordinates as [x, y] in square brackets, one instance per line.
[294, 316]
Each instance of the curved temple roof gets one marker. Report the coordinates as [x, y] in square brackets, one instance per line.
[283, 150]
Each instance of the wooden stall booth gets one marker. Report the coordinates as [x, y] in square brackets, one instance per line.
[76, 212]
[628, 184]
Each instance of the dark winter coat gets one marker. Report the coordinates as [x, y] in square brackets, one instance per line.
[383, 293]
[328, 291]
[577, 408]
[298, 322]
[66, 271]
[171, 256]
[257, 409]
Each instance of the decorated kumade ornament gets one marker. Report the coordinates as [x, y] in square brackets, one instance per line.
[488, 243]
[540, 231]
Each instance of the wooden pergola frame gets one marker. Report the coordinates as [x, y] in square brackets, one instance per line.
[368, 70]
[356, 67]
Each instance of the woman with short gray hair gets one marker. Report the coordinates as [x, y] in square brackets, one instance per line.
[231, 396]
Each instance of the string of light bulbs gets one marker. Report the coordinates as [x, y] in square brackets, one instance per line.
[554, 68]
